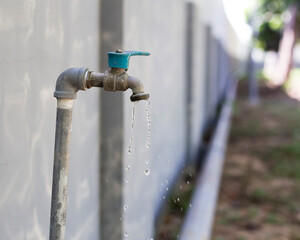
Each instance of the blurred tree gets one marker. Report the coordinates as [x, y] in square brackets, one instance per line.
[276, 25]
[268, 38]
[270, 20]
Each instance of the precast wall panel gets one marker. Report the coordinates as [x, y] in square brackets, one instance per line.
[39, 40]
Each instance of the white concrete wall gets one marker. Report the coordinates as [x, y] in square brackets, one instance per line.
[160, 28]
[157, 27]
[198, 76]
[39, 40]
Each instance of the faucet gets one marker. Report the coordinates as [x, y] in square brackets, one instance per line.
[115, 79]
[68, 84]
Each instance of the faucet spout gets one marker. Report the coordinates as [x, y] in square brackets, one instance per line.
[137, 88]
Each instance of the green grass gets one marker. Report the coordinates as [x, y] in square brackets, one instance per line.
[220, 238]
[249, 129]
[285, 160]
[269, 134]
[294, 237]
[275, 219]
[252, 212]
[180, 200]
[259, 196]
[284, 157]
[231, 217]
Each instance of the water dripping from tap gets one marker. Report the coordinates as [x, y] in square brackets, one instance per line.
[125, 208]
[148, 112]
[127, 167]
[132, 126]
[148, 124]
[147, 172]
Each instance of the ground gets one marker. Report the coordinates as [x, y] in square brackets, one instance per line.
[260, 190]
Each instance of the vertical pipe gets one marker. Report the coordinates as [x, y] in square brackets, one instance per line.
[252, 81]
[208, 75]
[61, 169]
[189, 81]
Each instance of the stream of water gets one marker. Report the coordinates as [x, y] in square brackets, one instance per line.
[148, 112]
[129, 150]
[132, 127]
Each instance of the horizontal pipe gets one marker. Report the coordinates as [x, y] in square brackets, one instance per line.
[94, 79]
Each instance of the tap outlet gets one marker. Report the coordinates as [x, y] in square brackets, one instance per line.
[118, 80]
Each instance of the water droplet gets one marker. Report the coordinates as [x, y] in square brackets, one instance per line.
[125, 207]
[190, 205]
[167, 189]
[178, 199]
[181, 209]
[164, 197]
[147, 161]
[125, 234]
[188, 182]
[126, 179]
[180, 186]
[120, 218]
[147, 172]
[148, 124]
[127, 167]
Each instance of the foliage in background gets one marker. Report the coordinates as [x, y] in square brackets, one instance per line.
[268, 21]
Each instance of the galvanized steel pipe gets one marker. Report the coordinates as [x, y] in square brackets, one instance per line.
[61, 168]
[67, 85]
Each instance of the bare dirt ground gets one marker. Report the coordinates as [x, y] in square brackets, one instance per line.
[260, 193]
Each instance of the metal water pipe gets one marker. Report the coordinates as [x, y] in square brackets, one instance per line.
[68, 84]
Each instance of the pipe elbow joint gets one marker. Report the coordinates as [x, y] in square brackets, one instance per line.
[137, 88]
[70, 82]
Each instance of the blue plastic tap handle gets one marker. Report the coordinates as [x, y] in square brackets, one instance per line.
[120, 59]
